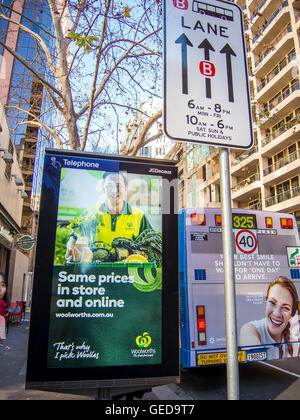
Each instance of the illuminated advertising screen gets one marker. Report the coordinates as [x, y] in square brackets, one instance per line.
[105, 292]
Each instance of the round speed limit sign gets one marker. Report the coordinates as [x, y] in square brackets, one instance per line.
[246, 241]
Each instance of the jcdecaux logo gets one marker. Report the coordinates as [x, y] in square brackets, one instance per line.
[143, 340]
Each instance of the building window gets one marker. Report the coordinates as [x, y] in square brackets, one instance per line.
[204, 172]
[180, 156]
[9, 165]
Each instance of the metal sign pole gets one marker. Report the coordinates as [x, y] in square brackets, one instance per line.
[229, 280]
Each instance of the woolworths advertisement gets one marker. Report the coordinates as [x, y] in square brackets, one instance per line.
[106, 301]
[105, 290]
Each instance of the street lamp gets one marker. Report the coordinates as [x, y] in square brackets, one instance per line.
[18, 180]
[7, 157]
[23, 193]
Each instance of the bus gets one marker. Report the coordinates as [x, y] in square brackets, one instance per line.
[210, 10]
[267, 280]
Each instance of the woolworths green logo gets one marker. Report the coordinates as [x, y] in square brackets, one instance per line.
[143, 340]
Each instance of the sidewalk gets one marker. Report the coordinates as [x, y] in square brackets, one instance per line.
[13, 354]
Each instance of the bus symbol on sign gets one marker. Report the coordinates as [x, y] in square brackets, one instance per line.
[210, 10]
[207, 68]
[181, 4]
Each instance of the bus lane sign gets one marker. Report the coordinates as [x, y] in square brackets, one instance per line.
[206, 90]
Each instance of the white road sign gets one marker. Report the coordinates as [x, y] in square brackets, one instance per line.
[206, 93]
[246, 241]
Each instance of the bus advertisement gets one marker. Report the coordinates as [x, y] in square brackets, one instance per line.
[267, 281]
[105, 291]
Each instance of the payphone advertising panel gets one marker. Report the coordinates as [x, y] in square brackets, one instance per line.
[105, 294]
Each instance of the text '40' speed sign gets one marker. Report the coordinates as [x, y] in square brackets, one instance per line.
[206, 93]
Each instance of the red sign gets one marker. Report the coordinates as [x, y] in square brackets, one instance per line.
[181, 4]
[207, 68]
[246, 241]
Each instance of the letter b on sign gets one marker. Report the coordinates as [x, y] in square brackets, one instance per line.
[207, 69]
[181, 4]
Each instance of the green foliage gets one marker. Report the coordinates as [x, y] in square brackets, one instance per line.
[148, 242]
[85, 41]
[62, 236]
[85, 225]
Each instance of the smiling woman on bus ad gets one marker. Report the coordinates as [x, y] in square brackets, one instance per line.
[277, 327]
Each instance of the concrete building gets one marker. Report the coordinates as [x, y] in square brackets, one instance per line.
[13, 262]
[156, 145]
[267, 176]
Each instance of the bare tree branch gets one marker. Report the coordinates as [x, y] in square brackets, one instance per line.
[140, 141]
[38, 123]
[38, 38]
[29, 20]
[30, 68]
[93, 89]
[114, 67]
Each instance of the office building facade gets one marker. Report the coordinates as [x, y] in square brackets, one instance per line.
[20, 90]
[267, 176]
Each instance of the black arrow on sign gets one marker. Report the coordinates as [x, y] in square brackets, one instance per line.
[207, 47]
[184, 41]
[229, 52]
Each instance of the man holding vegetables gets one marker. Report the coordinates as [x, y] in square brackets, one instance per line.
[114, 218]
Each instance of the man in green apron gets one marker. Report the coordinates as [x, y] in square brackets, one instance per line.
[115, 218]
